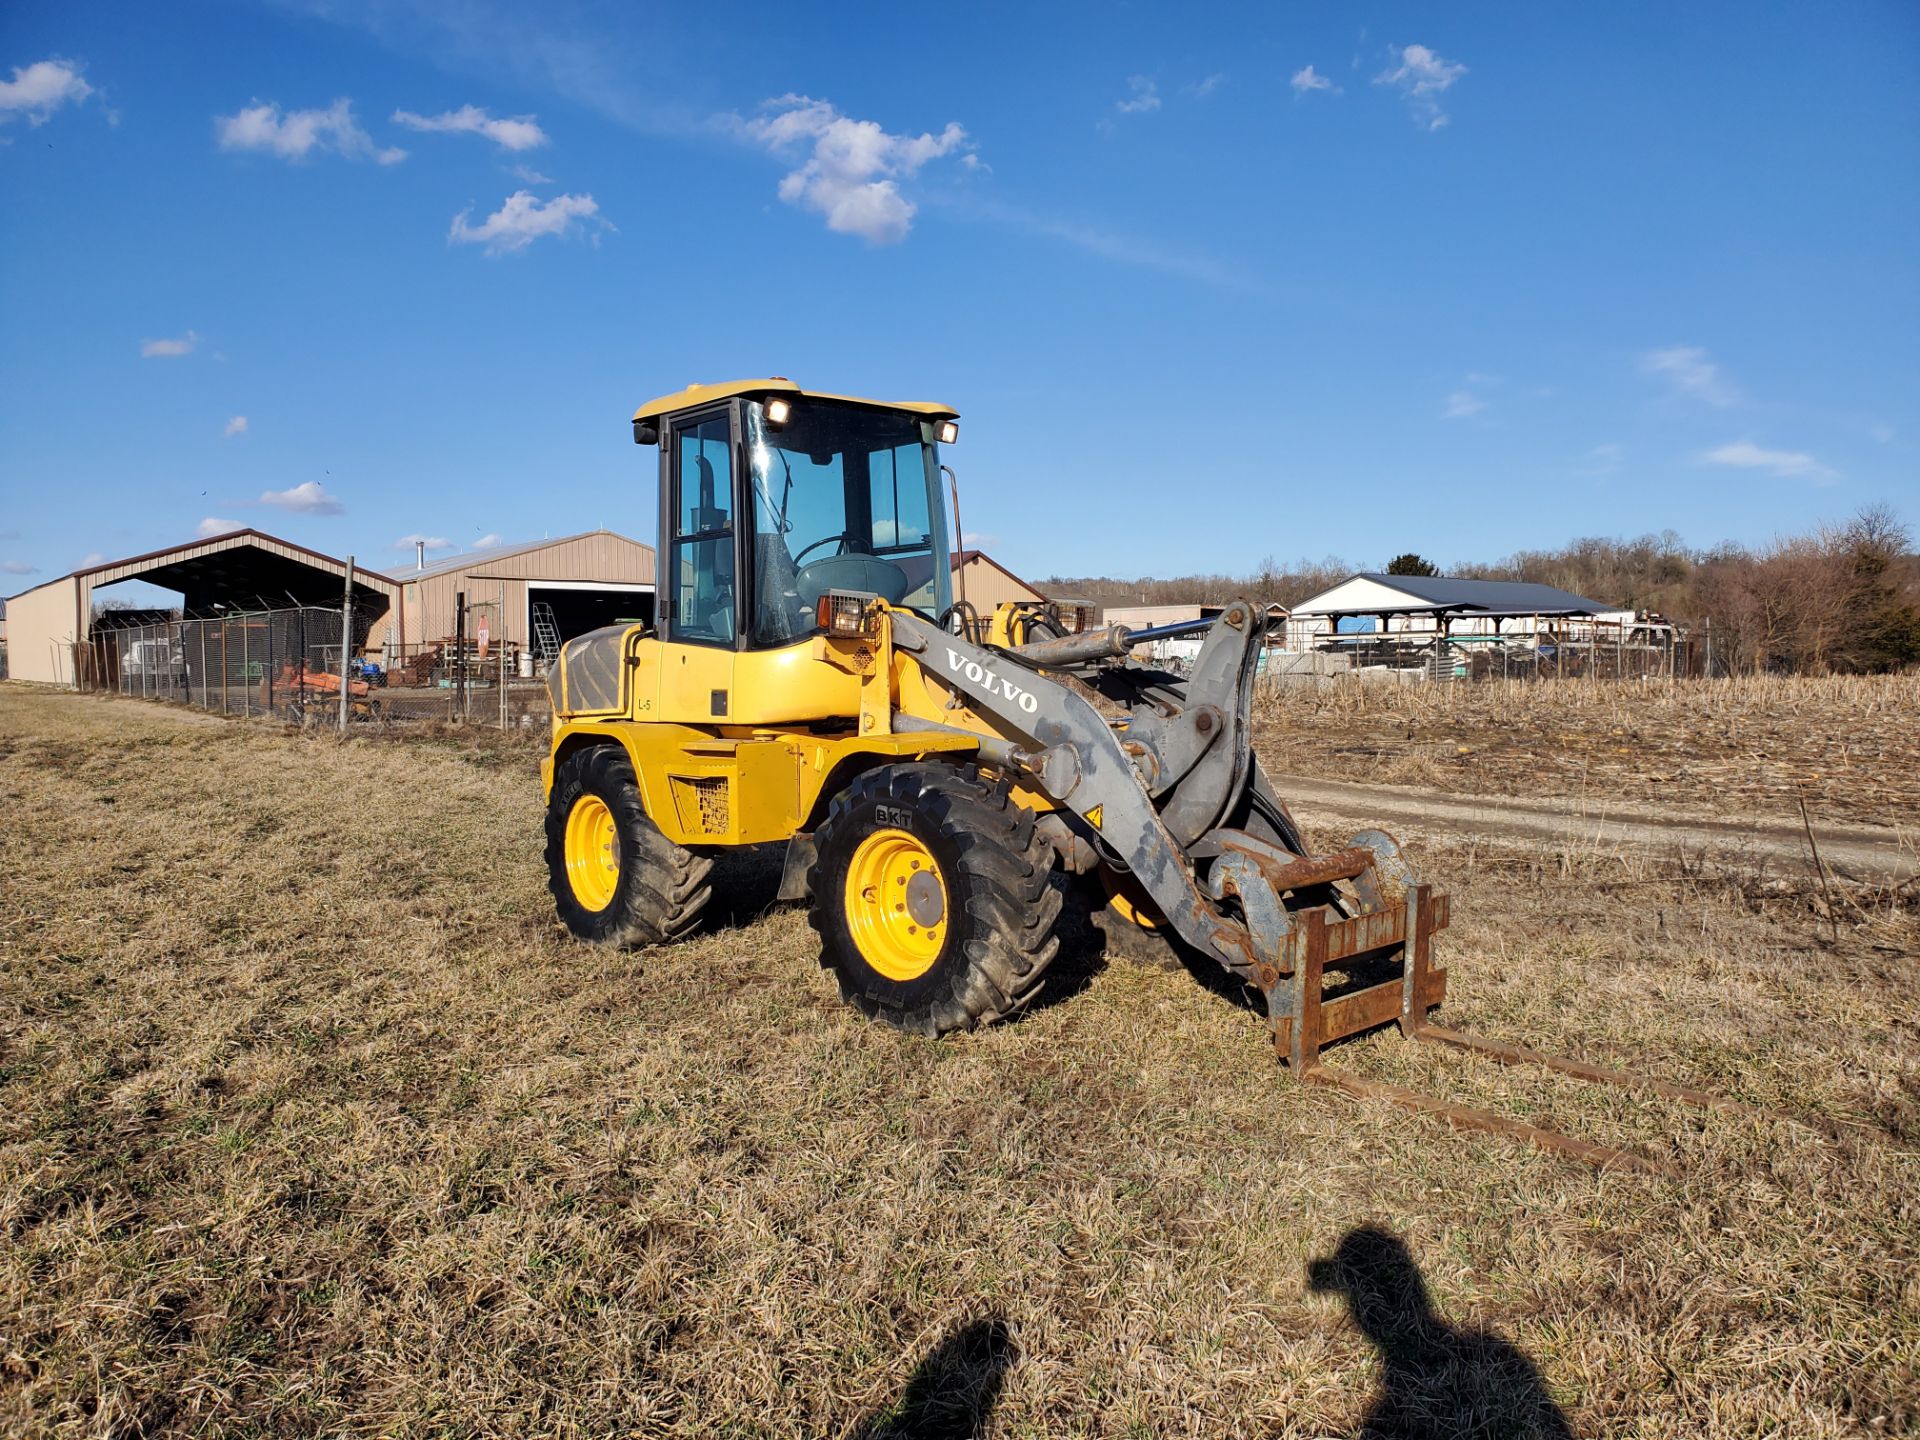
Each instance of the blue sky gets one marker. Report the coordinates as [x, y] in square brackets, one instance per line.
[1208, 284]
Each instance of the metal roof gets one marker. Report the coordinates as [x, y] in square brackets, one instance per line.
[772, 385]
[247, 563]
[467, 559]
[1439, 592]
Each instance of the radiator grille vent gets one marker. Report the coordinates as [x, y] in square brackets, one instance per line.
[702, 802]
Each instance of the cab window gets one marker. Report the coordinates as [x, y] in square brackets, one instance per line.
[701, 567]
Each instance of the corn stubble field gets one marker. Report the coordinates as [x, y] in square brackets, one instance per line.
[310, 1122]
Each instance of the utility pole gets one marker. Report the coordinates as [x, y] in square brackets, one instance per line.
[346, 641]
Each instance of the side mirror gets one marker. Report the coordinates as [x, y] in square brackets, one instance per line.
[646, 432]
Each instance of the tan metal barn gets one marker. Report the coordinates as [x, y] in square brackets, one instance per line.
[586, 581]
[987, 582]
[242, 570]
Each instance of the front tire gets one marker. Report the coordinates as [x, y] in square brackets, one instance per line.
[616, 880]
[932, 899]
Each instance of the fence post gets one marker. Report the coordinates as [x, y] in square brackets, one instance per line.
[346, 641]
[460, 651]
[500, 619]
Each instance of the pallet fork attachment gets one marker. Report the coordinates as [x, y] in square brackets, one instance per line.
[1304, 1020]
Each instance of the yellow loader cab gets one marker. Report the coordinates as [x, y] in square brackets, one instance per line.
[765, 706]
[813, 680]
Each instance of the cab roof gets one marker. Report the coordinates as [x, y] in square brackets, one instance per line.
[694, 395]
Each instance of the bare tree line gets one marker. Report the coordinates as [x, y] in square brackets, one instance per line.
[1842, 597]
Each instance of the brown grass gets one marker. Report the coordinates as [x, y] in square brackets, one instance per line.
[310, 1122]
[1851, 744]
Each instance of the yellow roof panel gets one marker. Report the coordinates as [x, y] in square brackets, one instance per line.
[695, 395]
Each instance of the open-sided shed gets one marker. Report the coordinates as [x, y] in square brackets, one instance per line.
[240, 571]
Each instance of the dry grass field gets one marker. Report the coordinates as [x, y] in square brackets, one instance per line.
[1850, 744]
[311, 1123]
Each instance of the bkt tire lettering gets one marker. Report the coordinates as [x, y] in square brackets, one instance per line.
[993, 684]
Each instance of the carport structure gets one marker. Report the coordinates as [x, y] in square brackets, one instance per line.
[50, 626]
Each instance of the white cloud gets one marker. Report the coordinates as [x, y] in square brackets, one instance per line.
[1305, 81]
[214, 525]
[39, 89]
[1688, 370]
[1422, 77]
[1462, 403]
[853, 167]
[522, 219]
[91, 559]
[1145, 97]
[168, 349]
[309, 498]
[527, 175]
[1882, 432]
[298, 133]
[236, 426]
[1207, 86]
[432, 542]
[17, 567]
[489, 541]
[516, 132]
[1786, 464]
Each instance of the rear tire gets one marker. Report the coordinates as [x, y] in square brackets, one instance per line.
[616, 880]
[931, 894]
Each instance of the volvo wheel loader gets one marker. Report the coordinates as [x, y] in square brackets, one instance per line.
[811, 679]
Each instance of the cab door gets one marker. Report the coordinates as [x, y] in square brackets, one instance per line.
[703, 601]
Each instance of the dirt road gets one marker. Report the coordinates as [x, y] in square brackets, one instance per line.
[1856, 851]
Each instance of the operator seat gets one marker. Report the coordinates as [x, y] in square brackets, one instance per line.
[852, 571]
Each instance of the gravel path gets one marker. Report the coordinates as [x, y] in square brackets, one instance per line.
[1856, 851]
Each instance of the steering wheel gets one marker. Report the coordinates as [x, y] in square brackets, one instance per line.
[841, 539]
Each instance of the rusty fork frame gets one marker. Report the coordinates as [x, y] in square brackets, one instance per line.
[1304, 1020]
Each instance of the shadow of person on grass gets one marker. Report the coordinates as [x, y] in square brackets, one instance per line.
[1439, 1380]
[952, 1391]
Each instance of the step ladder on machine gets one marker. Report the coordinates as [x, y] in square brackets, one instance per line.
[546, 634]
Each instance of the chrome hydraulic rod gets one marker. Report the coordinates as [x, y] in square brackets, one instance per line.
[1168, 632]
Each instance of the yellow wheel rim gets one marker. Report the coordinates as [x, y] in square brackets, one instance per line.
[896, 904]
[593, 852]
[1135, 912]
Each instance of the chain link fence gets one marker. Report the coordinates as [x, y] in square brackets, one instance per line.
[298, 665]
[287, 664]
[1604, 651]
